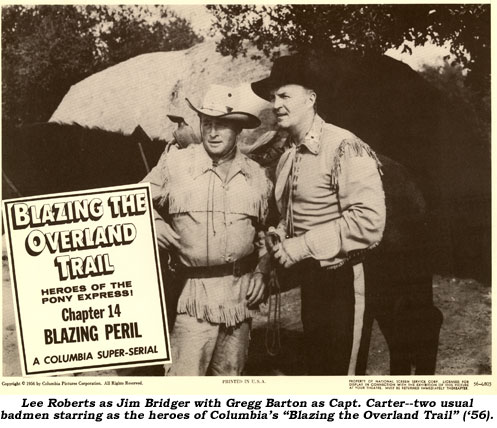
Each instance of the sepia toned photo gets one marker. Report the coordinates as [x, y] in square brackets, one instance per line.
[320, 178]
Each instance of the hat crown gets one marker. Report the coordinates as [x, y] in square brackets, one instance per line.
[292, 70]
[224, 102]
[220, 99]
[286, 70]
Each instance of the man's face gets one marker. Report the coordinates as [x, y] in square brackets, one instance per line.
[291, 104]
[218, 136]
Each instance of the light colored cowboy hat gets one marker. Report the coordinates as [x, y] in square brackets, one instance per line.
[223, 102]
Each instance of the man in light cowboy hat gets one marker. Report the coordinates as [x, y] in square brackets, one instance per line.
[330, 197]
[211, 202]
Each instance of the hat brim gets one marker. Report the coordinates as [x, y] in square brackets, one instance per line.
[245, 120]
[262, 88]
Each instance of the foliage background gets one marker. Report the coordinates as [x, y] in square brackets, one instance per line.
[46, 49]
[464, 75]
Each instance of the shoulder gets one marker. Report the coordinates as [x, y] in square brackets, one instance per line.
[348, 152]
[184, 154]
[181, 163]
[335, 139]
[251, 166]
[256, 174]
[179, 158]
[341, 142]
[333, 134]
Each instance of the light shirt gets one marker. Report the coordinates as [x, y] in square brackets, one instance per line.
[217, 223]
[330, 194]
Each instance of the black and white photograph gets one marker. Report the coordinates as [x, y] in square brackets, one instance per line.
[320, 181]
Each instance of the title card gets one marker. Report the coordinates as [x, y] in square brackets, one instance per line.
[87, 282]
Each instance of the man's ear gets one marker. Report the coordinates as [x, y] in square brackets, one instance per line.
[312, 97]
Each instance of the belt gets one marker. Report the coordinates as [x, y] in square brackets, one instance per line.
[237, 268]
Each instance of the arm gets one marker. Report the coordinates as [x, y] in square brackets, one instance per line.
[159, 180]
[257, 287]
[360, 194]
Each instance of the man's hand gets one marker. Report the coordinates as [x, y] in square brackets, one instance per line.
[273, 237]
[281, 256]
[166, 236]
[257, 290]
[291, 251]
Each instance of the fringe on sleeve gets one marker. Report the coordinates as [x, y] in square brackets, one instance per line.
[351, 147]
[266, 196]
[164, 172]
[258, 179]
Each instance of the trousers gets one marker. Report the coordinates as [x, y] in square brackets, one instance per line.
[200, 348]
[333, 307]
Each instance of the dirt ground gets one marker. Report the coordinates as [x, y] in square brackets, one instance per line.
[465, 338]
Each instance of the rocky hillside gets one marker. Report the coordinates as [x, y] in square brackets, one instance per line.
[144, 89]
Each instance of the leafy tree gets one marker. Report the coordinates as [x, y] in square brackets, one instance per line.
[46, 49]
[450, 78]
[362, 28]
[137, 30]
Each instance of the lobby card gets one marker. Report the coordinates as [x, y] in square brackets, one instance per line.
[466, 353]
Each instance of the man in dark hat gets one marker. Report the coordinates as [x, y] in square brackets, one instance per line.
[330, 197]
[211, 202]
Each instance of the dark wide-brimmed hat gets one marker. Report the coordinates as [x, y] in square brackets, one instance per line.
[294, 69]
[223, 102]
